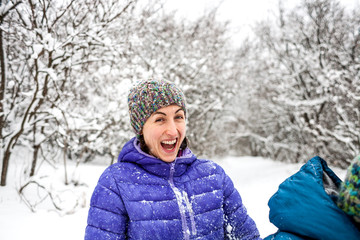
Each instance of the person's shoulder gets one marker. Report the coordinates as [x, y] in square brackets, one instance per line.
[209, 165]
[208, 162]
[118, 166]
[208, 171]
[119, 170]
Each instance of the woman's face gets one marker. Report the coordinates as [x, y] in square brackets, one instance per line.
[164, 131]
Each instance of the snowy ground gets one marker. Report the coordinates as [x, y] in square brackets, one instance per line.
[255, 178]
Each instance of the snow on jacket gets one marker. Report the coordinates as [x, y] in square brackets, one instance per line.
[304, 206]
[142, 197]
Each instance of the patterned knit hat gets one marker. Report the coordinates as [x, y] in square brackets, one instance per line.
[349, 196]
[150, 95]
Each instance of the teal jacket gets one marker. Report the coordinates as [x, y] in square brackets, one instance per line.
[304, 206]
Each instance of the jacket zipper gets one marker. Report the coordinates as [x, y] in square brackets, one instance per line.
[184, 204]
[191, 213]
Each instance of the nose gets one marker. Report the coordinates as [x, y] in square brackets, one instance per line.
[171, 129]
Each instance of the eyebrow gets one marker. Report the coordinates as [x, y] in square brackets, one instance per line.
[161, 113]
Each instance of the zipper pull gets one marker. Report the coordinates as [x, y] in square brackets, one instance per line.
[172, 170]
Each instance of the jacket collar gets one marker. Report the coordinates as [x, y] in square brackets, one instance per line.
[132, 153]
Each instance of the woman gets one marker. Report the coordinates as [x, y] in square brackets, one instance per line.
[308, 205]
[159, 189]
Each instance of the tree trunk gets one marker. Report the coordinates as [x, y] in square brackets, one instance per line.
[5, 166]
[65, 156]
[34, 161]
[6, 156]
[2, 86]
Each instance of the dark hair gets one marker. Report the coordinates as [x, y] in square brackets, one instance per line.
[143, 145]
[145, 148]
[185, 143]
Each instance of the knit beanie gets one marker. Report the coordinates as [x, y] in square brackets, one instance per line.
[349, 196]
[148, 96]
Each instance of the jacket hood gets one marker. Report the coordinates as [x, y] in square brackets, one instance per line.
[303, 204]
[132, 153]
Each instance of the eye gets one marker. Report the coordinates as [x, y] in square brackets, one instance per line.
[159, 120]
[180, 116]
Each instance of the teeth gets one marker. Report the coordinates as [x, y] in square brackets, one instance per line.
[169, 142]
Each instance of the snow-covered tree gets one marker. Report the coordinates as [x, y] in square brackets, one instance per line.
[308, 79]
[48, 45]
[70, 65]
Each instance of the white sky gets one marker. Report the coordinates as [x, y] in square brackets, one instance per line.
[241, 13]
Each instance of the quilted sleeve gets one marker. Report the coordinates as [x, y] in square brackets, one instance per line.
[107, 217]
[238, 224]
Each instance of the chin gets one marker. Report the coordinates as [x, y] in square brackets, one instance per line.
[168, 159]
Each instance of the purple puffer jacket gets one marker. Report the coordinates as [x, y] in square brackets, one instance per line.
[142, 197]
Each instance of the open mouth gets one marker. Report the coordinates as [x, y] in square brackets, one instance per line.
[169, 145]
